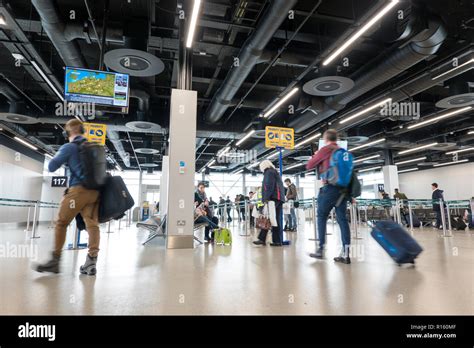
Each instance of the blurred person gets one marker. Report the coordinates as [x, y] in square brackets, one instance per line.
[436, 195]
[76, 199]
[328, 198]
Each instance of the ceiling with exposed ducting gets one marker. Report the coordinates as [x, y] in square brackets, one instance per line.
[402, 93]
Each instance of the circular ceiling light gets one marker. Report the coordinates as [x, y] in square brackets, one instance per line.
[356, 139]
[147, 151]
[134, 62]
[456, 101]
[18, 118]
[144, 126]
[148, 165]
[328, 85]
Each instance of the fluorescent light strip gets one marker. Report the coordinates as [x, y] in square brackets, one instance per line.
[249, 134]
[417, 148]
[238, 172]
[2, 20]
[369, 169]
[449, 163]
[47, 80]
[192, 24]
[294, 166]
[410, 161]
[274, 154]
[364, 111]
[25, 143]
[407, 170]
[223, 152]
[458, 151]
[361, 31]
[254, 164]
[118, 168]
[308, 140]
[440, 117]
[455, 68]
[368, 144]
[470, 132]
[365, 158]
[211, 163]
[280, 102]
[47, 155]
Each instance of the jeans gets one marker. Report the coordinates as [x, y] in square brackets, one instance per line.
[292, 219]
[212, 224]
[327, 199]
[277, 231]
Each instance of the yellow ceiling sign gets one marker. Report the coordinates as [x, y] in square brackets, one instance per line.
[95, 132]
[279, 137]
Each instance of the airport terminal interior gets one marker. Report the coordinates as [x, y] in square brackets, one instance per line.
[204, 111]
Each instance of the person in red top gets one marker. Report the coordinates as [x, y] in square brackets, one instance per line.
[329, 196]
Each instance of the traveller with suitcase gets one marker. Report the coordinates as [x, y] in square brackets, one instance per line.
[340, 184]
[87, 173]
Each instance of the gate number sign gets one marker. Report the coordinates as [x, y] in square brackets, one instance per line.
[59, 181]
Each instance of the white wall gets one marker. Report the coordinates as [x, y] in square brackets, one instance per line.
[457, 181]
[20, 178]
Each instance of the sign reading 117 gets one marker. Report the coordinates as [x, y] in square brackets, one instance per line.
[59, 181]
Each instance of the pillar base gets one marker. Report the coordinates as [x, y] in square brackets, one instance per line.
[179, 242]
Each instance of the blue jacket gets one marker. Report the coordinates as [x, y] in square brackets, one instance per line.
[69, 154]
[272, 186]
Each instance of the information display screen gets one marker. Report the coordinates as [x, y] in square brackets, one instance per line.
[98, 87]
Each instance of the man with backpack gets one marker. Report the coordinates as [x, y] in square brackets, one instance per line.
[335, 168]
[77, 199]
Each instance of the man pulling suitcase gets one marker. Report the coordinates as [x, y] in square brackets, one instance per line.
[86, 174]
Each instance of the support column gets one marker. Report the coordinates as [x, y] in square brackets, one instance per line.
[182, 149]
[164, 187]
[390, 178]
[244, 185]
[140, 189]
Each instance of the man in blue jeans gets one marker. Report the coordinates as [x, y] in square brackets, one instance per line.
[330, 197]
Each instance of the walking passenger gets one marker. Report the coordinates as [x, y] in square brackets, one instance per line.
[328, 197]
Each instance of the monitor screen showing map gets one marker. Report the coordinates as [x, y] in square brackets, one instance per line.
[98, 87]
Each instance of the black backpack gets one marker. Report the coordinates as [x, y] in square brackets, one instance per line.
[93, 164]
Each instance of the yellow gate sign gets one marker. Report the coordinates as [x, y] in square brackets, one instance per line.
[95, 132]
[279, 137]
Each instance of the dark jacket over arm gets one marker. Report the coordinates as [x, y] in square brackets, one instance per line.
[272, 187]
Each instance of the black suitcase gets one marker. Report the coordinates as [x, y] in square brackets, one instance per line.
[396, 241]
[114, 200]
[416, 221]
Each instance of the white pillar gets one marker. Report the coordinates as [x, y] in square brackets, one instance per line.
[390, 179]
[182, 151]
[164, 186]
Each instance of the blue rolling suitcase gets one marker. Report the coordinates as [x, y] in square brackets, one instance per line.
[396, 241]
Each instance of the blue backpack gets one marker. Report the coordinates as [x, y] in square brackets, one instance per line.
[341, 165]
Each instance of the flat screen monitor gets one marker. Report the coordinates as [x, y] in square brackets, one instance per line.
[99, 87]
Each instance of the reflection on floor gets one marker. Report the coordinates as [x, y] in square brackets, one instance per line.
[238, 279]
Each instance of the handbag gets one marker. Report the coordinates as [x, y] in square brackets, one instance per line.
[263, 222]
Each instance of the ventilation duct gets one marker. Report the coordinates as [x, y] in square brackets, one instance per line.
[421, 46]
[249, 56]
[134, 58]
[54, 27]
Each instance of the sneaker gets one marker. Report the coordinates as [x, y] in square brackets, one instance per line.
[259, 242]
[51, 266]
[319, 254]
[89, 267]
[276, 244]
[341, 259]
